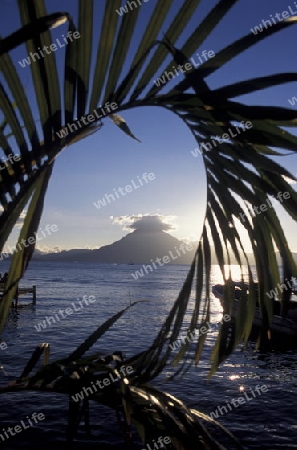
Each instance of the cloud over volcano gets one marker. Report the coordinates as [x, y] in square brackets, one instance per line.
[145, 222]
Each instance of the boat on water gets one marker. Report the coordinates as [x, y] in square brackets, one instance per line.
[281, 327]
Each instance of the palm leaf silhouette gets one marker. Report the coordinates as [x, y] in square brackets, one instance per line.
[241, 163]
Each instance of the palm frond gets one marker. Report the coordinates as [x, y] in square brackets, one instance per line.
[241, 163]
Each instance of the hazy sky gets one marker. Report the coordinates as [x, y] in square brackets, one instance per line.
[109, 160]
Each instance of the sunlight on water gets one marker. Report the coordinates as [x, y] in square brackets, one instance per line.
[60, 285]
[233, 270]
[234, 377]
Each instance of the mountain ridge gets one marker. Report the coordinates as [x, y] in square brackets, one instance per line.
[138, 247]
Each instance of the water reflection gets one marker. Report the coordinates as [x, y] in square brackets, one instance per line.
[281, 367]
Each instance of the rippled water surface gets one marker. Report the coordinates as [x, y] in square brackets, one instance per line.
[265, 420]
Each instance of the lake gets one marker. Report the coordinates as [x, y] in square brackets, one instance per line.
[266, 420]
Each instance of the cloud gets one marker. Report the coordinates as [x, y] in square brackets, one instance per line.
[46, 249]
[145, 222]
[194, 237]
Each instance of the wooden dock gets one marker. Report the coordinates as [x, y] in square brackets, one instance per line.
[22, 291]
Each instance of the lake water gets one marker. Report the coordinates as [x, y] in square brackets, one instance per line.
[268, 421]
